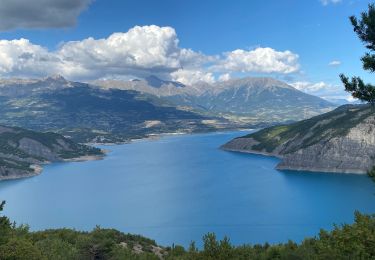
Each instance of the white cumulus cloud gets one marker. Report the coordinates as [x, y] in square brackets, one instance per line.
[190, 77]
[263, 60]
[22, 58]
[139, 52]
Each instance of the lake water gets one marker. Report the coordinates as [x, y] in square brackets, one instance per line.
[177, 188]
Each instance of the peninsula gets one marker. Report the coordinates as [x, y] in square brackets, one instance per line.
[340, 141]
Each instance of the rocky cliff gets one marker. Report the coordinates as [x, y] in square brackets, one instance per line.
[23, 151]
[341, 141]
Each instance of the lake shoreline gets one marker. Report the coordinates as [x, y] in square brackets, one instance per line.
[85, 158]
[38, 168]
[157, 136]
[286, 168]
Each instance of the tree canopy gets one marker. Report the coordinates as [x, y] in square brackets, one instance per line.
[364, 27]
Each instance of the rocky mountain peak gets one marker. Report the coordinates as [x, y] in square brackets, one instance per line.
[264, 82]
[56, 77]
[156, 82]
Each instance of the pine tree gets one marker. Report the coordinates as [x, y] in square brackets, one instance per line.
[365, 30]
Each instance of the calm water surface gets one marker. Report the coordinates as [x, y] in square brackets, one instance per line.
[178, 188]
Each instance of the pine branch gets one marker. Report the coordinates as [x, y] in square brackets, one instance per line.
[368, 62]
[358, 89]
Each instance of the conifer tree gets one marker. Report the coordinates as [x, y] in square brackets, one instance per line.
[364, 27]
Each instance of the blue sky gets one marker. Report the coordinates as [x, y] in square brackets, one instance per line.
[315, 32]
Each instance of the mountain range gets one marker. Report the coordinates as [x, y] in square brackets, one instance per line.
[116, 111]
[88, 113]
[257, 99]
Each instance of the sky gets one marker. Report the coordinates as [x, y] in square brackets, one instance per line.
[306, 43]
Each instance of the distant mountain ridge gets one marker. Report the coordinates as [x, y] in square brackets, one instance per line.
[265, 99]
[25, 87]
[157, 83]
[91, 114]
[118, 111]
[342, 140]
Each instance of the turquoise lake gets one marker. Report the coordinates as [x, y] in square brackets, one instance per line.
[177, 188]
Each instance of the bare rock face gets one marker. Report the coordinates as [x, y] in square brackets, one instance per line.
[352, 153]
[341, 141]
[35, 148]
